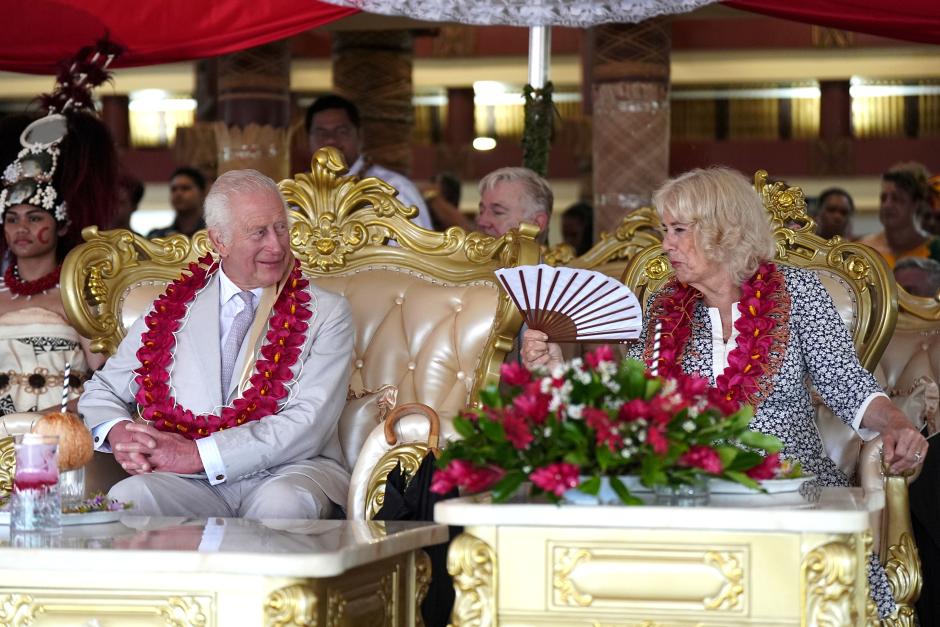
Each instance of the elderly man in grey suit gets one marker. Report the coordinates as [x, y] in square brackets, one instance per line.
[240, 372]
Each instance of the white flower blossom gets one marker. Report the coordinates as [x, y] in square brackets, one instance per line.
[575, 412]
[688, 426]
[669, 387]
[641, 436]
[12, 172]
[583, 377]
[547, 432]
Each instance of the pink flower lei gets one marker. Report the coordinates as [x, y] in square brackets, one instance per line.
[763, 334]
[285, 337]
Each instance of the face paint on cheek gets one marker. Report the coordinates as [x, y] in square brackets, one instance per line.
[43, 235]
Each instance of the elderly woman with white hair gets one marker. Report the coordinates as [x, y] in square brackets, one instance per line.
[757, 331]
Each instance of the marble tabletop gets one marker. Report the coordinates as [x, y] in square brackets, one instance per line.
[810, 510]
[293, 548]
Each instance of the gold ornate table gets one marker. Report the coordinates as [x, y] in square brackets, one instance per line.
[217, 572]
[770, 560]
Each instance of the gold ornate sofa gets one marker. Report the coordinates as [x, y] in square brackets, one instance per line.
[866, 296]
[432, 324]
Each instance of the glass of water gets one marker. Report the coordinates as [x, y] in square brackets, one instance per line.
[35, 504]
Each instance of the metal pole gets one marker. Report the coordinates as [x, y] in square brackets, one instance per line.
[540, 50]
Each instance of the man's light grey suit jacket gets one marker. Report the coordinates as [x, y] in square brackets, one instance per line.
[300, 438]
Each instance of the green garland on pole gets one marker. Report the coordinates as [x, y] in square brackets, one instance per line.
[537, 132]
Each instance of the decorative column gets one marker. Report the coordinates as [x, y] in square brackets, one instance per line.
[832, 152]
[373, 69]
[453, 154]
[630, 98]
[115, 114]
[195, 145]
[254, 110]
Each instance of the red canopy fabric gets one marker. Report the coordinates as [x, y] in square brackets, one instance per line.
[37, 34]
[912, 20]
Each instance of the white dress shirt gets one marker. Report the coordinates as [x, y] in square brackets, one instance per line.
[408, 194]
[721, 350]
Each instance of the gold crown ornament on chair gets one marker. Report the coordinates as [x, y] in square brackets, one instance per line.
[573, 304]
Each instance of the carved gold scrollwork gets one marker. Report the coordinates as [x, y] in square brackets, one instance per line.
[566, 592]
[96, 274]
[422, 582]
[409, 456]
[558, 255]
[293, 606]
[386, 594]
[18, 610]
[729, 597]
[7, 465]
[786, 205]
[472, 564]
[845, 256]
[829, 574]
[903, 570]
[183, 612]
[326, 244]
[335, 608]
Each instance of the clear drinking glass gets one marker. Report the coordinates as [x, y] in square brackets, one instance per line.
[35, 504]
[694, 494]
[72, 488]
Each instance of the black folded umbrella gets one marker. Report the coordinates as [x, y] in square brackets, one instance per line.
[410, 498]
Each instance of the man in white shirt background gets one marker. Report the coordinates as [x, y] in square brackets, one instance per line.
[334, 121]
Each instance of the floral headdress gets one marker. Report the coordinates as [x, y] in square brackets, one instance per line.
[31, 179]
[28, 180]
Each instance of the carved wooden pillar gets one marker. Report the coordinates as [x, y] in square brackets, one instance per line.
[373, 69]
[116, 116]
[207, 90]
[254, 110]
[630, 101]
[832, 153]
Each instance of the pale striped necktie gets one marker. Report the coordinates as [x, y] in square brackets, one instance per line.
[234, 340]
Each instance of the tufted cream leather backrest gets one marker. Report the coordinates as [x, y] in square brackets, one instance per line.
[425, 337]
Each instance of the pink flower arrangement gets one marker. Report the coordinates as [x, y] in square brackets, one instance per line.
[596, 418]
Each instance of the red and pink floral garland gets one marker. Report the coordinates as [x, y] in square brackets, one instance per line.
[762, 334]
[286, 335]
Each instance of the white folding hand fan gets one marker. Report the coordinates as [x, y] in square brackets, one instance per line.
[573, 305]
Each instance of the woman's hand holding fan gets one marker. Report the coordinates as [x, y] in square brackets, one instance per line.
[573, 305]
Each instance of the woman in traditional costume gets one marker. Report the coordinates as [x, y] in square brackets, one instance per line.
[63, 179]
[757, 331]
